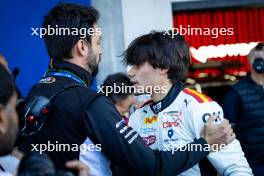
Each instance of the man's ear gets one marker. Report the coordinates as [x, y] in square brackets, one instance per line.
[3, 120]
[164, 71]
[81, 48]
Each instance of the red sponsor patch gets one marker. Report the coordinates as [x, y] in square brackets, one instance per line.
[149, 140]
[171, 124]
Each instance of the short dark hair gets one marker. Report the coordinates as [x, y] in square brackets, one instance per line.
[251, 54]
[67, 15]
[161, 50]
[259, 46]
[118, 79]
[7, 87]
[35, 163]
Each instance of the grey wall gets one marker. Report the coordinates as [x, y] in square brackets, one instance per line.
[124, 20]
[111, 23]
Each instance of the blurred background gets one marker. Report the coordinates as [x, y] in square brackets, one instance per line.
[218, 61]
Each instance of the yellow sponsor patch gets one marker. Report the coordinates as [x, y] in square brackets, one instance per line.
[149, 120]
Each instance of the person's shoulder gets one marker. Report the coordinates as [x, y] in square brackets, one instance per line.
[90, 98]
[232, 95]
[200, 107]
[87, 91]
[195, 96]
[139, 113]
[244, 81]
[102, 100]
[198, 102]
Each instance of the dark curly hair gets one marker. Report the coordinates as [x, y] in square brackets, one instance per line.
[118, 79]
[67, 15]
[161, 50]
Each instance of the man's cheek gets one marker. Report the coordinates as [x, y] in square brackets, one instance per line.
[16, 118]
[13, 115]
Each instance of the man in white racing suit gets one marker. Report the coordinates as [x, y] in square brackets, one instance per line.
[177, 120]
[176, 115]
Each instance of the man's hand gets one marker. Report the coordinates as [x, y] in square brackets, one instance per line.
[78, 166]
[217, 134]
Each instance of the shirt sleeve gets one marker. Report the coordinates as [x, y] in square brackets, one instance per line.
[231, 106]
[123, 146]
[133, 120]
[230, 160]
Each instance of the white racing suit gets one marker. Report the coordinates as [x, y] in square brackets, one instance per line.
[178, 119]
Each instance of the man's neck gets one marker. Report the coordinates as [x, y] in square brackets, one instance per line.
[79, 63]
[164, 90]
[258, 78]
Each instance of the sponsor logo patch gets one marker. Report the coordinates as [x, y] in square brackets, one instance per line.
[150, 120]
[47, 80]
[174, 123]
[149, 140]
[187, 102]
[173, 113]
[146, 130]
[157, 107]
[170, 133]
[207, 115]
[176, 142]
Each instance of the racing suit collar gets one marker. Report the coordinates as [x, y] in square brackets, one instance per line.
[167, 101]
[75, 69]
